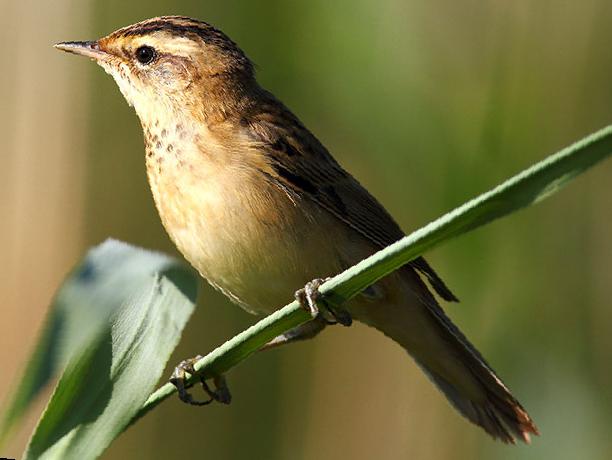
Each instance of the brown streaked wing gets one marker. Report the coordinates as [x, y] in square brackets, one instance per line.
[304, 165]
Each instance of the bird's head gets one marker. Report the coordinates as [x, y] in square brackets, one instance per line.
[171, 63]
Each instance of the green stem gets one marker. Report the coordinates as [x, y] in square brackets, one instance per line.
[528, 187]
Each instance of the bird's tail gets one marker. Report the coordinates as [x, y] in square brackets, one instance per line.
[452, 363]
[498, 413]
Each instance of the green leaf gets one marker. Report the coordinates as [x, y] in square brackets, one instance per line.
[111, 329]
[146, 299]
[526, 188]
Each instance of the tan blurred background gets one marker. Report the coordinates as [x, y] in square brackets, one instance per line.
[428, 103]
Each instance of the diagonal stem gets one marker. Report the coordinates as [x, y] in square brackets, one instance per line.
[524, 189]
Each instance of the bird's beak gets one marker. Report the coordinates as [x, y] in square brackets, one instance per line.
[89, 49]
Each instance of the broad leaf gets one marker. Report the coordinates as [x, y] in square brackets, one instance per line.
[112, 327]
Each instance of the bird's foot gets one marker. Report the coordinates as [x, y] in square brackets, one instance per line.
[220, 393]
[309, 298]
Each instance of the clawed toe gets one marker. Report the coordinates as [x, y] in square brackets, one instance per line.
[309, 297]
[220, 394]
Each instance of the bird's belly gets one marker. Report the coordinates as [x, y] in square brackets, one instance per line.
[250, 240]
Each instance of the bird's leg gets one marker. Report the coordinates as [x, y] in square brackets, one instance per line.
[302, 332]
[308, 297]
[220, 393]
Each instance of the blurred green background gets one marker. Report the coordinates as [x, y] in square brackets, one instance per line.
[427, 103]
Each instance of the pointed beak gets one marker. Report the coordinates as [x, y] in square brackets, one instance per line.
[89, 49]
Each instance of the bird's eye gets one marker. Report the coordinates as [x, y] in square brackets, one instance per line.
[146, 54]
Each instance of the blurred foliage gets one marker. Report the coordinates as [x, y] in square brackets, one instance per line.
[454, 96]
[109, 332]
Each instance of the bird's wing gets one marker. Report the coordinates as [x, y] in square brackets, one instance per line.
[302, 164]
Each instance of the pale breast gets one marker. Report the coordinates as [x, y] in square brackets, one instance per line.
[245, 235]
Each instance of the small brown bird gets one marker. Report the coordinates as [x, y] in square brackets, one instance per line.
[259, 206]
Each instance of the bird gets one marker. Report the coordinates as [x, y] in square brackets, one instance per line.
[258, 205]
